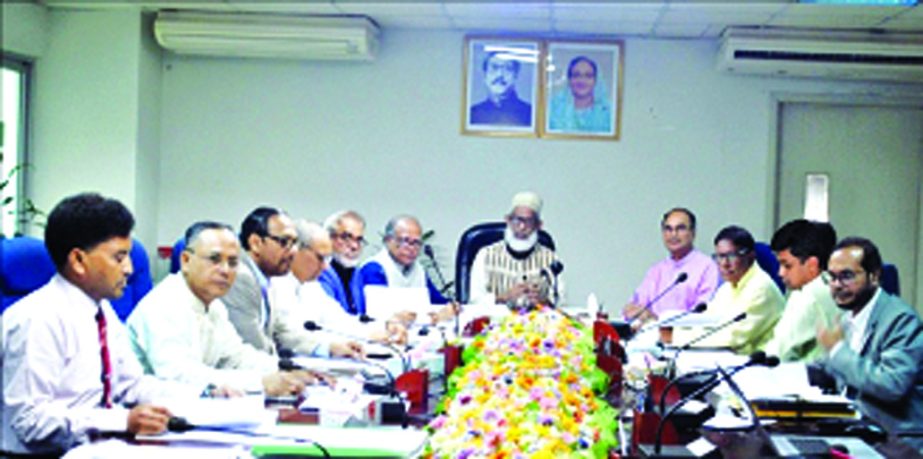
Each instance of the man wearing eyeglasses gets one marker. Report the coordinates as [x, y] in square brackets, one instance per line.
[510, 271]
[659, 291]
[347, 229]
[306, 300]
[268, 238]
[746, 288]
[396, 266]
[180, 330]
[874, 353]
[803, 248]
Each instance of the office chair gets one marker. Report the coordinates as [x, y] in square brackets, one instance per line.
[890, 281]
[178, 248]
[25, 265]
[768, 261]
[472, 240]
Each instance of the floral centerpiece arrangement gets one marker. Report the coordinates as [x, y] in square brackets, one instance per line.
[529, 389]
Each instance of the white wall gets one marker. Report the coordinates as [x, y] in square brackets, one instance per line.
[383, 138]
[24, 29]
[96, 122]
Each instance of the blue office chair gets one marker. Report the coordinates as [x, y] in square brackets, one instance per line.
[768, 261]
[890, 282]
[25, 265]
[472, 240]
[174, 255]
[139, 283]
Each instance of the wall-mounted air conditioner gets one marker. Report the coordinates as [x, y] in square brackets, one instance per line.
[267, 36]
[833, 54]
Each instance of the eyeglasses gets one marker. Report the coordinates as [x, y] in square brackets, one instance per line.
[346, 237]
[216, 259]
[408, 242]
[528, 222]
[671, 229]
[283, 241]
[730, 257]
[845, 277]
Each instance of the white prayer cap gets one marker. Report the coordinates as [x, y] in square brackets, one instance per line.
[528, 199]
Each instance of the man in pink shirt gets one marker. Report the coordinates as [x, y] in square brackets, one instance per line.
[681, 281]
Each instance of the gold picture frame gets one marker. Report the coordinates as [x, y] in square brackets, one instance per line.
[502, 86]
[582, 89]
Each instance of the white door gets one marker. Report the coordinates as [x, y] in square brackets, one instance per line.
[873, 156]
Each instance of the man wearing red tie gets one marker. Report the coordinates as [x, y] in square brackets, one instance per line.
[68, 370]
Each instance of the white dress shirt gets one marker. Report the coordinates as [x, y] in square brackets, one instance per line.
[176, 336]
[52, 389]
[299, 302]
[854, 327]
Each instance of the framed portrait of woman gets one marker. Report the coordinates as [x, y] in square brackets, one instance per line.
[501, 86]
[583, 89]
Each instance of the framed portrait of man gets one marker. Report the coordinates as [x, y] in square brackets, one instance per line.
[501, 86]
[583, 89]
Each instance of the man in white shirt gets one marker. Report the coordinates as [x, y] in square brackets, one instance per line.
[305, 299]
[180, 330]
[68, 370]
[803, 248]
[875, 352]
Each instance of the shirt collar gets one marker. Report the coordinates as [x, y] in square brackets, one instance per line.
[260, 277]
[682, 261]
[77, 296]
[746, 277]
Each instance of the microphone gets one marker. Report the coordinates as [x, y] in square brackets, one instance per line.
[680, 278]
[723, 375]
[697, 309]
[312, 326]
[428, 250]
[756, 358]
[180, 424]
[555, 269]
[737, 318]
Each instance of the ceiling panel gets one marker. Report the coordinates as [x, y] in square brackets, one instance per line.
[680, 30]
[494, 10]
[592, 11]
[501, 25]
[391, 8]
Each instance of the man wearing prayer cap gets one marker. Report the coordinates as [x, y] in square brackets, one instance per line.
[510, 270]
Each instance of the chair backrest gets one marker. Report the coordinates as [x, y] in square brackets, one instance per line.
[139, 283]
[890, 281]
[768, 261]
[178, 248]
[472, 240]
[25, 265]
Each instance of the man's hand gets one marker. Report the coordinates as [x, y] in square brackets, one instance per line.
[225, 391]
[447, 312]
[828, 337]
[348, 349]
[148, 420]
[282, 383]
[405, 317]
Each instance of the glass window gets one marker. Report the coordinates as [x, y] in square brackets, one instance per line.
[14, 76]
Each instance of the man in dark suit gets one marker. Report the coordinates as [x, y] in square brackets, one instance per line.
[502, 105]
[876, 350]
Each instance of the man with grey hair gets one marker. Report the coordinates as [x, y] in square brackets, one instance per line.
[305, 300]
[346, 229]
[396, 265]
[511, 270]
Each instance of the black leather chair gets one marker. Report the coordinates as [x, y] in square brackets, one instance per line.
[890, 281]
[472, 240]
[769, 263]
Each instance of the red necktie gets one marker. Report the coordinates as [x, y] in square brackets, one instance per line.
[106, 375]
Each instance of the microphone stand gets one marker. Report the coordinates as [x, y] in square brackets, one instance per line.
[679, 280]
[672, 369]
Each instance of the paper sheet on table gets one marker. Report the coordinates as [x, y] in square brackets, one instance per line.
[787, 379]
[695, 360]
[692, 320]
[382, 302]
[339, 367]
[239, 412]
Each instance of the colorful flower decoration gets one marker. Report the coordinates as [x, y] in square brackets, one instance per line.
[529, 389]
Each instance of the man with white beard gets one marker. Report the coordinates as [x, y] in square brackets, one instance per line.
[347, 230]
[510, 271]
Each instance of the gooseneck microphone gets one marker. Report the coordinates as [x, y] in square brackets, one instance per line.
[697, 309]
[697, 339]
[313, 326]
[180, 424]
[756, 358]
[446, 286]
[722, 376]
[680, 278]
